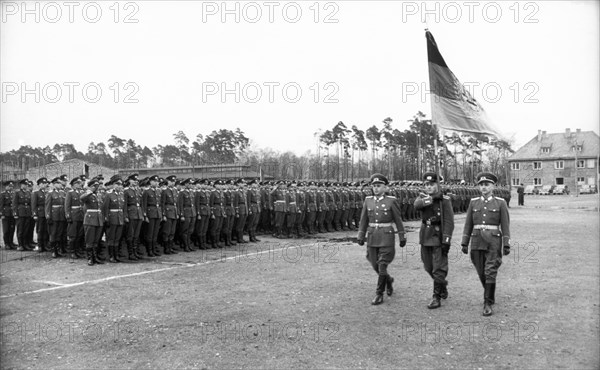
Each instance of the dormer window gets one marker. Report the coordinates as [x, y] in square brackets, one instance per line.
[546, 149]
[579, 148]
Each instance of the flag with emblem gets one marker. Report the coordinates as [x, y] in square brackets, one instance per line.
[453, 107]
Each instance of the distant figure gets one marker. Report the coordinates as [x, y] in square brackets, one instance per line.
[521, 192]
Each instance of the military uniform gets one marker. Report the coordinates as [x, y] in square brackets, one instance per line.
[93, 221]
[8, 219]
[487, 227]
[74, 216]
[435, 236]
[55, 215]
[380, 221]
[114, 209]
[201, 199]
[38, 204]
[217, 212]
[152, 215]
[21, 207]
[134, 216]
[241, 199]
[278, 201]
[170, 212]
[187, 214]
[254, 212]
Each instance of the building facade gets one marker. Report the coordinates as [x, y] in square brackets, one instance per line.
[569, 158]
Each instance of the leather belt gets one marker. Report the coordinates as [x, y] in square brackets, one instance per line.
[57, 205]
[384, 224]
[116, 210]
[292, 202]
[75, 207]
[486, 227]
[93, 210]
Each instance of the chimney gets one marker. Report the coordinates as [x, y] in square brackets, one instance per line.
[579, 131]
[539, 135]
[543, 133]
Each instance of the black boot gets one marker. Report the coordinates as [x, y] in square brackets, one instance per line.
[95, 256]
[435, 301]
[389, 287]
[381, 281]
[56, 250]
[111, 254]
[487, 305]
[444, 292]
[493, 293]
[90, 257]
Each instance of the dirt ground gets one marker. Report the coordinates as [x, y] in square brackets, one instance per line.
[306, 304]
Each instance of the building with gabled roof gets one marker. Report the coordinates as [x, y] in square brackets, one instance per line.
[568, 158]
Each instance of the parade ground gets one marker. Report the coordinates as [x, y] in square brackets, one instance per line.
[305, 303]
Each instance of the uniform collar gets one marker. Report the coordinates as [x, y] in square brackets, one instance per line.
[488, 199]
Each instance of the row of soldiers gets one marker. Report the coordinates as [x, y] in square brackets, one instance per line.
[186, 212]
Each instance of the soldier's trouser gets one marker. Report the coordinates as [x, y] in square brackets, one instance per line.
[380, 258]
[230, 225]
[204, 226]
[41, 227]
[310, 221]
[168, 230]
[113, 235]
[30, 230]
[279, 219]
[75, 236]
[357, 212]
[215, 228]
[185, 231]
[321, 219]
[521, 199]
[22, 225]
[329, 219]
[250, 221]
[337, 218]
[152, 229]
[487, 263]
[56, 229]
[349, 218]
[240, 222]
[435, 263]
[92, 237]
[133, 233]
[299, 220]
[254, 223]
[290, 218]
[8, 230]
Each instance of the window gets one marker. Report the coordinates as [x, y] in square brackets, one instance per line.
[580, 163]
[537, 181]
[516, 182]
[560, 181]
[580, 180]
[515, 166]
[579, 147]
[545, 150]
[559, 165]
[537, 165]
[591, 163]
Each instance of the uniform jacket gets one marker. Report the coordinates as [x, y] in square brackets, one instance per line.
[322, 201]
[38, 203]
[278, 200]
[311, 201]
[73, 209]
[168, 203]
[55, 205]
[380, 210]
[201, 199]
[433, 233]
[151, 203]
[21, 203]
[242, 202]
[229, 199]
[490, 211]
[91, 208]
[133, 204]
[113, 208]
[216, 203]
[7, 203]
[254, 200]
[185, 204]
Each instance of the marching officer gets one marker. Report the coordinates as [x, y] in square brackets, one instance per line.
[21, 207]
[93, 221]
[38, 205]
[487, 227]
[435, 235]
[380, 214]
[55, 216]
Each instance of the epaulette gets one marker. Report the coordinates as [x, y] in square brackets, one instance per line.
[391, 196]
[502, 199]
[475, 198]
[369, 196]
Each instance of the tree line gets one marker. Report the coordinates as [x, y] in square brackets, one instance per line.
[342, 153]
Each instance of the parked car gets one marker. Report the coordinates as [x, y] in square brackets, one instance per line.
[547, 189]
[585, 189]
[561, 189]
[529, 189]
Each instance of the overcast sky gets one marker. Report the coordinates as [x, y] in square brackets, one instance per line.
[161, 67]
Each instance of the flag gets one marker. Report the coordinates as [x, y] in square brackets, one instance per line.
[452, 106]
